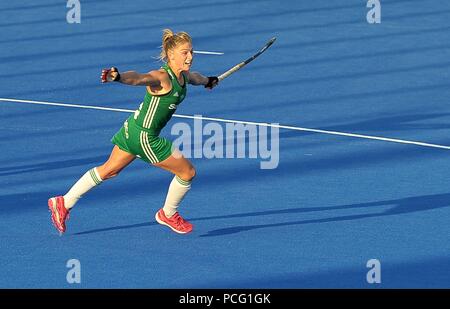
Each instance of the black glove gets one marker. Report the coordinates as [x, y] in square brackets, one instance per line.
[212, 82]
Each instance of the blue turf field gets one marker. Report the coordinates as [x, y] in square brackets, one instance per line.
[333, 203]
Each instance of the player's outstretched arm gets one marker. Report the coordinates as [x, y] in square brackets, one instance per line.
[196, 79]
[152, 78]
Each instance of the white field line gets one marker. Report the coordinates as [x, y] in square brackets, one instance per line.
[207, 52]
[385, 139]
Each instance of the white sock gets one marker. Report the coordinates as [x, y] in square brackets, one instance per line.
[89, 180]
[177, 190]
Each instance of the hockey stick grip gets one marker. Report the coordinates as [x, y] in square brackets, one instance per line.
[231, 71]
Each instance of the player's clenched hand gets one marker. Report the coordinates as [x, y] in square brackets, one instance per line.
[110, 75]
[213, 81]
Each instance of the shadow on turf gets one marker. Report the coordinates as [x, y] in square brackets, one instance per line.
[114, 228]
[52, 165]
[400, 206]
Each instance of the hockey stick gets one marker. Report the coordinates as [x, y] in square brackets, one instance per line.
[244, 63]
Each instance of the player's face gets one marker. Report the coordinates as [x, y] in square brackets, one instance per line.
[182, 57]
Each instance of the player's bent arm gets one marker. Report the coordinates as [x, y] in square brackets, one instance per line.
[133, 78]
[196, 79]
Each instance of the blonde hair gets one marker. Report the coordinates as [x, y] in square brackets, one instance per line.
[170, 40]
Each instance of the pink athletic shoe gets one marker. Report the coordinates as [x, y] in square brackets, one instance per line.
[59, 213]
[176, 222]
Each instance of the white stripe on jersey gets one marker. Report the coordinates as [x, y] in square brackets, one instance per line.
[151, 113]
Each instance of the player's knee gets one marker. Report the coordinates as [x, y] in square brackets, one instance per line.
[192, 173]
[188, 174]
